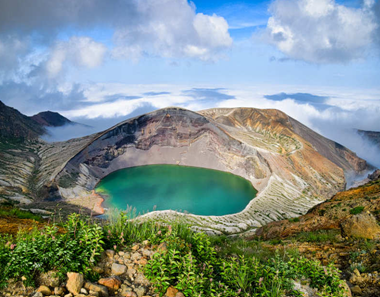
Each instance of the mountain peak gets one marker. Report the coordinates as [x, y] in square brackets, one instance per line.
[50, 119]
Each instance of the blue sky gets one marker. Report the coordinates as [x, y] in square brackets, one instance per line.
[101, 61]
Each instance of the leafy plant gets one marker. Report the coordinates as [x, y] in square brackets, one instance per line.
[356, 210]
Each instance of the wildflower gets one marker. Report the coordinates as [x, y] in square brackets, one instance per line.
[114, 247]
[109, 231]
[260, 281]
[239, 291]
[13, 245]
[170, 229]
[33, 239]
[159, 232]
[53, 237]
[210, 280]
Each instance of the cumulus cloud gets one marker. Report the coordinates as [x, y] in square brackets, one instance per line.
[80, 51]
[322, 31]
[172, 28]
[169, 28]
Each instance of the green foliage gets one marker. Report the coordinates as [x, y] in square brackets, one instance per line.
[39, 251]
[194, 263]
[317, 236]
[195, 268]
[17, 213]
[294, 220]
[356, 210]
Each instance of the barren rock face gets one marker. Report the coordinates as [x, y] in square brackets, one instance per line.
[362, 225]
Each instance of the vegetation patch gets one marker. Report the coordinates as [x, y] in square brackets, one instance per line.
[194, 263]
[356, 210]
[17, 213]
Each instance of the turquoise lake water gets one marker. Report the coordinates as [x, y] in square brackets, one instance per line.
[187, 189]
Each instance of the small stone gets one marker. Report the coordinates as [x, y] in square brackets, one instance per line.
[110, 253]
[356, 290]
[356, 272]
[162, 248]
[147, 253]
[130, 294]
[142, 280]
[74, 282]
[110, 282]
[98, 269]
[179, 294]
[145, 242]
[94, 293]
[37, 294]
[84, 291]
[44, 290]
[118, 269]
[142, 262]
[171, 292]
[102, 290]
[135, 247]
[121, 254]
[136, 256]
[140, 291]
[69, 295]
[58, 291]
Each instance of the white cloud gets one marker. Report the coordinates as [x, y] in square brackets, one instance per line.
[321, 31]
[80, 51]
[172, 28]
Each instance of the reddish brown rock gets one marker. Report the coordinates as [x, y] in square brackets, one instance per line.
[112, 283]
[171, 292]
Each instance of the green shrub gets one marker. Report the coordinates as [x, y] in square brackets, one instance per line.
[27, 254]
[317, 236]
[196, 269]
[294, 220]
[356, 210]
[17, 213]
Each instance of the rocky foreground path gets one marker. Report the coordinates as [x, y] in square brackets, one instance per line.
[121, 275]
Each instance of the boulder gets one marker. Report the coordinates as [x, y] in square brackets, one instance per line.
[112, 283]
[140, 291]
[362, 225]
[74, 282]
[171, 292]
[102, 290]
[44, 290]
[118, 269]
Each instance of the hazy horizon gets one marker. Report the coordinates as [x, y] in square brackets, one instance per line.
[100, 62]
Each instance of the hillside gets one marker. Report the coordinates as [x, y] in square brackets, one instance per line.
[372, 136]
[15, 125]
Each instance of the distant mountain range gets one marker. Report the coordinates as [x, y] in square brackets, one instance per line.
[14, 124]
[372, 136]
